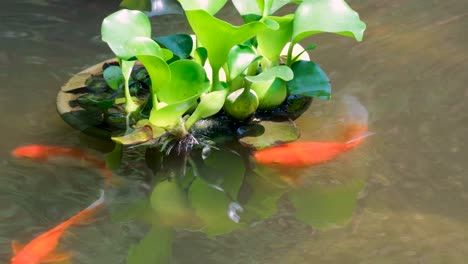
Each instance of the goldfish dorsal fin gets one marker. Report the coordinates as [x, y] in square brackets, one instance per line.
[56, 256]
[359, 137]
[16, 246]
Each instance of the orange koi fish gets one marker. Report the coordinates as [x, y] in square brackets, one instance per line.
[43, 153]
[41, 249]
[304, 154]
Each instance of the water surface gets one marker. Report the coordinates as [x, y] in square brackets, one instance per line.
[409, 72]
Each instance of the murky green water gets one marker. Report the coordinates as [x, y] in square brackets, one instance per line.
[409, 72]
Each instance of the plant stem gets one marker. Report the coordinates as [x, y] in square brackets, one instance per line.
[216, 86]
[246, 91]
[130, 105]
[289, 57]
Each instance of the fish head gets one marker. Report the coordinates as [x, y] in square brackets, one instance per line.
[35, 152]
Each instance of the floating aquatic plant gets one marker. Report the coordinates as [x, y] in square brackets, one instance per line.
[254, 66]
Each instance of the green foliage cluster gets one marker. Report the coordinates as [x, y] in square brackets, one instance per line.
[240, 69]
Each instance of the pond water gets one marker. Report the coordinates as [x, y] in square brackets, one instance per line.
[400, 197]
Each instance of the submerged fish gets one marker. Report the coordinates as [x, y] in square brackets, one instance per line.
[41, 249]
[304, 154]
[58, 154]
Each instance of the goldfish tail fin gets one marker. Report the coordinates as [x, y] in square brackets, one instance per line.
[57, 256]
[87, 215]
[16, 246]
[356, 120]
[359, 138]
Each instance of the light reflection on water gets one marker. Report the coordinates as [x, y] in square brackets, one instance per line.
[410, 73]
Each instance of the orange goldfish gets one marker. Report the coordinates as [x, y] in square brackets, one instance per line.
[43, 153]
[304, 154]
[41, 249]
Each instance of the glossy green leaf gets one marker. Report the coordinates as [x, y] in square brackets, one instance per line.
[142, 5]
[155, 247]
[210, 104]
[169, 116]
[113, 77]
[159, 72]
[211, 206]
[180, 44]
[247, 7]
[218, 50]
[200, 55]
[150, 54]
[188, 79]
[139, 135]
[212, 7]
[334, 16]
[239, 59]
[121, 26]
[310, 80]
[143, 46]
[268, 133]
[277, 4]
[272, 42]
[270, 93]
[326, 206]
[282, 72]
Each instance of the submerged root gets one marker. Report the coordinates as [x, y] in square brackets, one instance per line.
[182, 146]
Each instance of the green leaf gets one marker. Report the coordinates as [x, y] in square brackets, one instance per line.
[212, 7]
[121, 26]
[310, 80]
[101, 104]
[239, 59]
[272, 42]
[113, 77]
[271, 93]
[139, 135]
[144, 46]
[334, 16]
[200, 55]
[169, 116]
[208, 28]
[268, 133]
[142, 5]
[210, 104]
[246, 7]
[159, 72]
[282, 72]
[155, 247]
[326, 206]
[188, 79]
[180, 44]
[277, 4]
[211, 206]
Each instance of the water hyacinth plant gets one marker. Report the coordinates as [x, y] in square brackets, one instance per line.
[240, 69]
